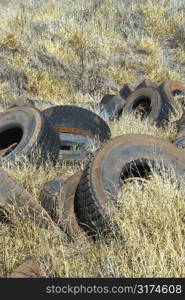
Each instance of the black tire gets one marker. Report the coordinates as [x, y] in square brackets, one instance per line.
[154, 107]
[114, 108]
[106, 98]
[77, 120]
[50, 197]
[126, 91]
[58, 197]
[123, 157]
[17, 203]
[169, 88]
[25, 132]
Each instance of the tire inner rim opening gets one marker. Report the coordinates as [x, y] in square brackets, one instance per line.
[142, 107]
[9, 139]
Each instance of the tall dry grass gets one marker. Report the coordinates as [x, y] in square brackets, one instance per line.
[72, 52]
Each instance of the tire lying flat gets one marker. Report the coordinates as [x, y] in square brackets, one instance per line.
[121, 158]
[153, 106]
[78, 120]
[75, 120]
[25, 132]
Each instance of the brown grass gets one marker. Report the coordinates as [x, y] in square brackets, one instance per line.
[74, 52]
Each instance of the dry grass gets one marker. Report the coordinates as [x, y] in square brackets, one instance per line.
[73, 52]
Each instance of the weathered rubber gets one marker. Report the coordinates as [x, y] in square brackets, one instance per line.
[158, 111]
[114, 107]
[59, 203]
[18, 203]
[106, 98]
[117, 159]
[39, 141]
[126, 91]
[78, 120]
[169, 88]
[50, 196]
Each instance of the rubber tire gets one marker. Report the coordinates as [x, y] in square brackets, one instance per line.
[29, 269]
[102, 176]
[160, 110]
[77, 120]
[168, 88]
[114, 107]
[13, 196]
[49, 196]
[126, 91]
[106, 98]
[38, 133]
[62, 200]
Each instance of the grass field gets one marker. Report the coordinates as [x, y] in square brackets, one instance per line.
[72, 52]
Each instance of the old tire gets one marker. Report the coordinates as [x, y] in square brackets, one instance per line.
[113, 108]
[153, 106]
[16, 203]
[169, 88]
[120, 158]
[126, 91]
[78, 120]
[61, 205]
[50, 196]
[25, 132]
[106, 98]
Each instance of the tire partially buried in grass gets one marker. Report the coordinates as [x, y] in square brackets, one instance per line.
[121, 158]
[113, 108]
[169, 88]
[25, 132]
[58, 197]
[18, 204]
[149, 103]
